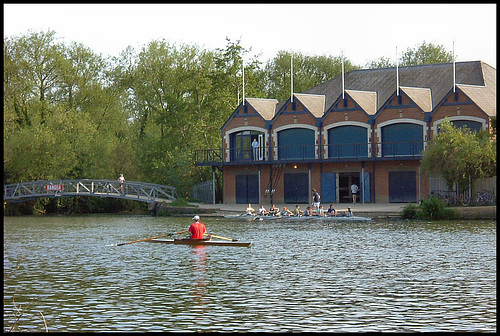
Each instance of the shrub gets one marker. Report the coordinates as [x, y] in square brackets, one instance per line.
[410, 211]
[434, 208]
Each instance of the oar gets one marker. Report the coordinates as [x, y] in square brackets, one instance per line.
[212, 235]
[146, 239]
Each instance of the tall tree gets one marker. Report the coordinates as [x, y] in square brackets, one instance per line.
[308, 71]
[460, 155]
[426, 53]
[61, 118]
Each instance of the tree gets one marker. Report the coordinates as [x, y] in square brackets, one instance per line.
[379, 63]
[460, 155]
[177, 96]
[308, 71]
[62, 119]
[426, 53]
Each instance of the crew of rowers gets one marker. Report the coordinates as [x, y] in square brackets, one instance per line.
[274, 211]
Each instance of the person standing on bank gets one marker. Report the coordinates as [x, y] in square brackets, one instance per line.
[316, 199]
[354, 191]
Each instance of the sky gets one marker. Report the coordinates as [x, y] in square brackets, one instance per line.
[362, 32]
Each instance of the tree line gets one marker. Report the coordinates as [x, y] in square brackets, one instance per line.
[70, 113]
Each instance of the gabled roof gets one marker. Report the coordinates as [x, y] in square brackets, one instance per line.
[265, 107]
[367, 100]
[437, 78]
[421, 96]
[313, 103]
[484, 96]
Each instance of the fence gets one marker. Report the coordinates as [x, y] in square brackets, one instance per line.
[204, 192]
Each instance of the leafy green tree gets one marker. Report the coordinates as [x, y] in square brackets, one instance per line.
[62, 119]
[177, 97]
[460, 155]
[308, 71]
[227, 76]
[426, 53]
[379, 63]
[166, 92]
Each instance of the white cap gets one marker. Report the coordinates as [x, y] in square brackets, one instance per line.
[196, 218]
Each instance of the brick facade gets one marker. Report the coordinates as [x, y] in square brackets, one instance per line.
[415, 108]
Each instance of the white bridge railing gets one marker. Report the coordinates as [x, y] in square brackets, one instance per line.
[138, 191]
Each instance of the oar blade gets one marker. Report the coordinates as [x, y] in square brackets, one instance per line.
[146, 239]
[224, 238]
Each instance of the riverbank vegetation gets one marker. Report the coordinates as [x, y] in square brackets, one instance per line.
[435, 209]
[70, 113]
[432, 208]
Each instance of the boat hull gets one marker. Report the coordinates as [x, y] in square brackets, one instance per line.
[200, 242]
[325, 218]
[300, 218]
[342, 218]
[244, 216]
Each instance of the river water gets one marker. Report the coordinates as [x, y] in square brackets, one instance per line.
[388, 275]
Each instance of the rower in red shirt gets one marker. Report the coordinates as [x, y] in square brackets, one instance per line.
[197, 229]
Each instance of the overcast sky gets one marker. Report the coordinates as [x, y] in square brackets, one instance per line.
[364, 32]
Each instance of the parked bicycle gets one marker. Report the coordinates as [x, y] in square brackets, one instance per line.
[484, 198]
[444, 196]
[452, 198]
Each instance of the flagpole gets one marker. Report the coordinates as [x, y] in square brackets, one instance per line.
[291, 79]
[343, 78]
[243, 70]
[397, 72]
[454, 69]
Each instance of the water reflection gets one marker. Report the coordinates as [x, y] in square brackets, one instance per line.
[382, 276]
[200, 278]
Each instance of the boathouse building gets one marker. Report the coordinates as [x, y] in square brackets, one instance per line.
[369, 129]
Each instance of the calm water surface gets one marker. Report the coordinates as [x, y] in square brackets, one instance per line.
[297, 276]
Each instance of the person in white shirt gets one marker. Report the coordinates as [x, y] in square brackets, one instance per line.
[354, 191]
[121, 179]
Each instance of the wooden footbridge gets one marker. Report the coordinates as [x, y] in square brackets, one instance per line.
[137, 191]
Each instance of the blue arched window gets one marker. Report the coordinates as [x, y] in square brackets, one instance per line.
[402, 139]
[296, 143]
[347, 142]
[472, 125]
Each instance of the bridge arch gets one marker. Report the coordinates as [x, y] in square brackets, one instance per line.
[130, 190]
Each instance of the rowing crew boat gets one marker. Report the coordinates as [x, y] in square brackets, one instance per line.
[322, 218]
[243, 216]
[327, 218]
[199, 242]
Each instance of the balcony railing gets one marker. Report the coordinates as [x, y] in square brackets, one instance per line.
[316, 153]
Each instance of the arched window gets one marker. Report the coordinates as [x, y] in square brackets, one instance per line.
[402, 139]
[296, 143]
[347, 142]
[472, 125]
